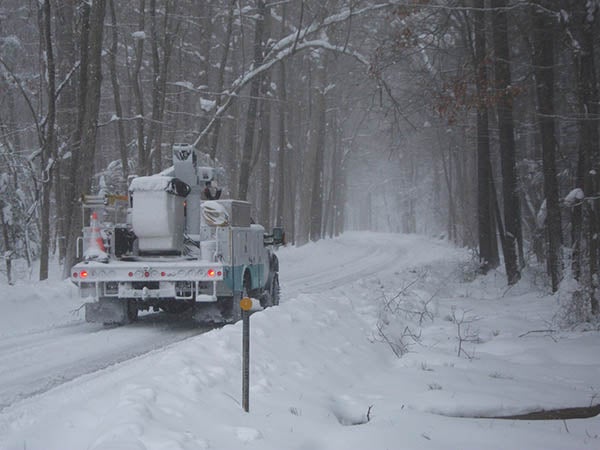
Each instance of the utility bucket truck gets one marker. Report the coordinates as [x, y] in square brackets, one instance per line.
[176, 246]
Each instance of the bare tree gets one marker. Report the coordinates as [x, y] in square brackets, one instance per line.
[510, 189]
[48, 154]
[114, 78]
[544, 73]
[580, 29]
[318, 153]
[488, 245]
[251, 114]
[85, 149]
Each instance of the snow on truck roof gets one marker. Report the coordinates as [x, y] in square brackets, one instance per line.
[171, 185]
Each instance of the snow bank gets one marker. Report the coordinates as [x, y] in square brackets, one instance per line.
[31, 307]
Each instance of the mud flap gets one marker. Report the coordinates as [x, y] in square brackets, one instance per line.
[107, 311]
[208, 313]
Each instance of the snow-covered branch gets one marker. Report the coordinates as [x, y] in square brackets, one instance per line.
[289, 46]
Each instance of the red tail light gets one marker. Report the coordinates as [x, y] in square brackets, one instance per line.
[211, 272]
[83, 274]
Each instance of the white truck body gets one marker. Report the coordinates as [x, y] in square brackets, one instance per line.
[175, 251]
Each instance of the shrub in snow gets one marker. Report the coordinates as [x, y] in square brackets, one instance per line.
[401, 316]
[574, 306]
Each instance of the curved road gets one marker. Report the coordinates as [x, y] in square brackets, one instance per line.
[34, 363]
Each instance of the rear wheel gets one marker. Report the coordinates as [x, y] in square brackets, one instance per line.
[266, 300]
[270, 296]
[275, 290]
[132, 310]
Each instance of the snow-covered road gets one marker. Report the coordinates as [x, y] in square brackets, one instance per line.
[36, 361]
[33, 363]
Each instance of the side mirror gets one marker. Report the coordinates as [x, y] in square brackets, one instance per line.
[278, 236]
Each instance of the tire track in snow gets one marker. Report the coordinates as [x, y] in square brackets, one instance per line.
[371, 257]
[35, 363]
[369, 265]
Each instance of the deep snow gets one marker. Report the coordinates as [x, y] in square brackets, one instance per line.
[325, 359]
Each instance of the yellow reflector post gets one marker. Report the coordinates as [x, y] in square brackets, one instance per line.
[246, 303]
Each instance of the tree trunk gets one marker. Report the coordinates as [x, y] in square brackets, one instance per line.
[585, 215]
[48, 152]
[112, 61]
[248, 148]
[221, 79]
[488, 244]
[510, 194]
[320, 107]
[544, 32]
[306, 151]
[72, 189]
[264, 142]
[160, 68]
[142, 163]
[451, 224]
[66, 116]
[89, 109]
[156, 71]
[7, 247]
[331, 208]
[282, 149]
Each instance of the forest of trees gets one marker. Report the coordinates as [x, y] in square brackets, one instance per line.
[474, 120]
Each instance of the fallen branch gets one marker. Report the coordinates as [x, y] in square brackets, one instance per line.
[554, 414]
[584, 412]
[537, 331]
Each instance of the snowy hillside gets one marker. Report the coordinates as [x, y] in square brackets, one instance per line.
[380, 342]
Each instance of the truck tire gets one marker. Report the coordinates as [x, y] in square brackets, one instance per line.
[132, 310]
[270, 296]
[266, 301]
[275, 290]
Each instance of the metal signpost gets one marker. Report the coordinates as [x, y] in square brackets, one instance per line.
[246, 305]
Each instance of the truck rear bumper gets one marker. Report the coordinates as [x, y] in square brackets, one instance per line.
[177, 291]
[148, 281]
